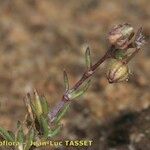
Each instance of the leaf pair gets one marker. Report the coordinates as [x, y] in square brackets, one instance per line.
[79, 92]
[88, 61]
[40, 105]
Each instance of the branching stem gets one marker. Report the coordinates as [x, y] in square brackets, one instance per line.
[86, 75]
[110, 53]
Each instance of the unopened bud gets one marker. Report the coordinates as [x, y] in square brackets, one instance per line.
[120, 35]
[117, 71]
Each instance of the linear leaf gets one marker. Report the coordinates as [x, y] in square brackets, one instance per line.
[29, 139]
[88, 58]
[37, 104]
[44, 125]
[81, 91]
[66, 81]
[55, 131]
[45, 106]
[62, 113]
[11, 134]
[20, 135]
[5, 134]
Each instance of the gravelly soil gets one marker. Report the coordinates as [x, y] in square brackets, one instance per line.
[38, 39]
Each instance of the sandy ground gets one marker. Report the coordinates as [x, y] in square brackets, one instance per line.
[40, 38]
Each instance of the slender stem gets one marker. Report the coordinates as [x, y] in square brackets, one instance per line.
[90, 72]
[87, 74]
[55, 111]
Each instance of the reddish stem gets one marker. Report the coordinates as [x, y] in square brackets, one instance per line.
[139, 39]
[65, 99]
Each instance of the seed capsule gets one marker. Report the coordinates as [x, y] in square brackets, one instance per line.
[120, 35]
[117, 71]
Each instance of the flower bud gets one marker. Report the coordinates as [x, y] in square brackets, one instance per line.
[117, 71]
[120, 35]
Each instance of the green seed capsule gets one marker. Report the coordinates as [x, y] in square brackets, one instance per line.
[117, 71]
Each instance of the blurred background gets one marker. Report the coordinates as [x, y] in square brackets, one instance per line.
[40, 38]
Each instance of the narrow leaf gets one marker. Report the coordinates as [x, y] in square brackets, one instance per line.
[81, 91]
[66, 81]
[30, 138]
[20, 135]
[37, 104]
[88, 58]
[11, 134]
[45, 106]
[62, 113]
[45, 126]
[55, 131]
[5, 134]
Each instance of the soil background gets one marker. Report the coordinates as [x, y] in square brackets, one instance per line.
[40, 38]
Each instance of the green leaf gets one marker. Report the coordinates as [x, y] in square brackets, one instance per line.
[120, 55]
[6, 135]
[37, 104]
[11, 134]
[62, 113]
[81, 91]
[45, 126]
[29, 139]
[55, 131]
[45, 106]
[88, 58]
[20, 135]
[66, 81]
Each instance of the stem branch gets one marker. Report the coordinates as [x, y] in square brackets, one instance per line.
[87, 74]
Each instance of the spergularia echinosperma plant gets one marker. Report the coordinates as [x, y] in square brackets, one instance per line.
[43, 123]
